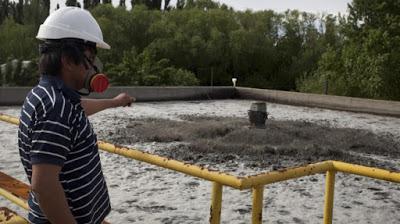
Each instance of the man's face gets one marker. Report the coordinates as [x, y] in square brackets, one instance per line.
[80, 72]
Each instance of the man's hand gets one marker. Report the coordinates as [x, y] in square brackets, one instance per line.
[123, 100]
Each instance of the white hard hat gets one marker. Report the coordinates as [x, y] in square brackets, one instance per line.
[72, 22]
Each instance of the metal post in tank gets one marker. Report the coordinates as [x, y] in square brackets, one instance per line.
[258, 114]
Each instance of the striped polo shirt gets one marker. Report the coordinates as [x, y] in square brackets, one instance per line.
[55, 130]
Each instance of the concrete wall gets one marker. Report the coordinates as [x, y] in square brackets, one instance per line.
[381, 107]
[171, 93]
[13, 95]
[16, 95]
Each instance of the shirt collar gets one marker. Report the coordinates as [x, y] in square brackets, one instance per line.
[55, 81]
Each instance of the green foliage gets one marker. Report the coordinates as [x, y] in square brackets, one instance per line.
[150, 4]
[143, 69]
[208, 40]
[71, 3]
[202, 4]
[202, 42]
[16, 40]
[365, 62]
[8, 73]
[328, 73]
[35, 12]
[122, 3]
[29, 75]
[86, 4]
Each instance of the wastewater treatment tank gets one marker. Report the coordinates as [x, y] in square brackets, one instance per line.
[216, 135]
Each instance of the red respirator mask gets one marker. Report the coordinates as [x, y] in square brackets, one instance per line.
[95, 80]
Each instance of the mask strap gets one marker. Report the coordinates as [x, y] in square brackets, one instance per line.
[87, 81]
[93, 64]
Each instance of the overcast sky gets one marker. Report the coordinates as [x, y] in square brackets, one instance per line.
[315, 6]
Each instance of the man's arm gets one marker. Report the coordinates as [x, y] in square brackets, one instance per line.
[92, 106]
[50, 194]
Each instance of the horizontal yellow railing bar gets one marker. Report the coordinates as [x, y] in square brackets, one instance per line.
[14, 186]
[186, 168]
[286, 174]
[15, 199]
[14, 190]
[372, 172]
[9, 119]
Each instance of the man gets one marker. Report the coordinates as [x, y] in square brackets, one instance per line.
[56, 141]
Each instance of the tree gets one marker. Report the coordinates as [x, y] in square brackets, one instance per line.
[36, 11]
[180, 4]
[202, 4]
[4, 10]
[94, 3]
[150, 4]
[122, 3]
[363, 52]
[143, 69]
[371, 51]
[166, 5]
[16, 40]
[29, 74]
[86, 4]
[19, 13]
[204, 42]
[71, 3]
[46, 7]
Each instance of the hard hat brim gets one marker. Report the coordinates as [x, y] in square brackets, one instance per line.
[56, 32]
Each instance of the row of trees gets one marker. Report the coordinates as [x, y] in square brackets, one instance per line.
[201, 42]
[366, 62]
[262, 49]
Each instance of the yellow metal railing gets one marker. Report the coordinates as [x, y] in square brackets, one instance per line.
[14, 199]
[17, 192]
[255, 182]
[10, 217]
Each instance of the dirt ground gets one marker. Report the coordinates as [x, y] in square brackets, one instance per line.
[226, 140]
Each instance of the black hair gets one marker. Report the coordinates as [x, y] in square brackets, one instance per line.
[51, 52]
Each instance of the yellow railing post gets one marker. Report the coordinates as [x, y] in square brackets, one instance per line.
[329, 194]
[258, 197]
[216, 201]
